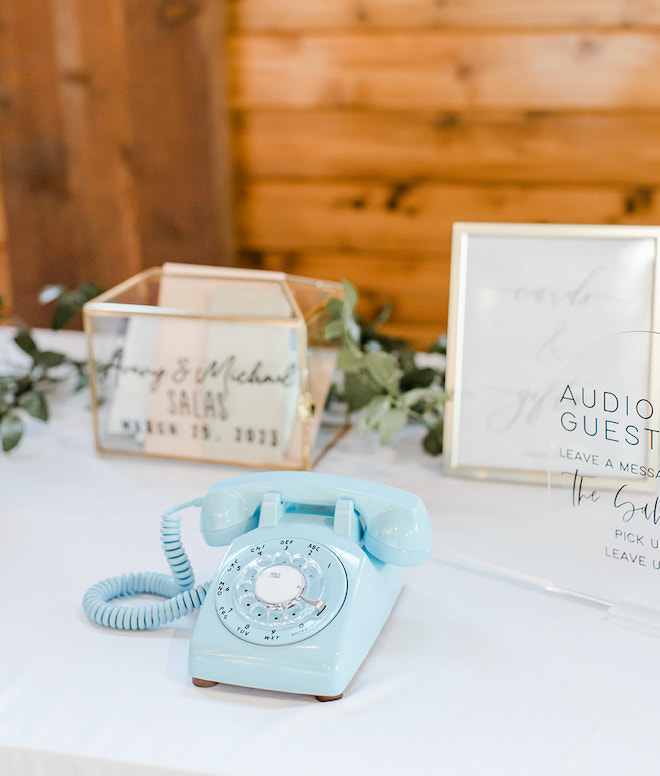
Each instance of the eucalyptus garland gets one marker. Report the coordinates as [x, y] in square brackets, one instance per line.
[24, 390]
[381, 377]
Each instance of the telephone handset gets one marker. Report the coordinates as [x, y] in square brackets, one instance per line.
[314, 567]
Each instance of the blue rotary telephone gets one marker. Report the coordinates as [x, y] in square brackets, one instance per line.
[312, 572]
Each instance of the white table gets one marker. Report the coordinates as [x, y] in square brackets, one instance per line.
[472, 674]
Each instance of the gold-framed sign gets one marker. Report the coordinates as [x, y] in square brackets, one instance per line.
[524, 299]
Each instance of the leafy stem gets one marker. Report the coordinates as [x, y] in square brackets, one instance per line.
[382, 378]
[23, 391]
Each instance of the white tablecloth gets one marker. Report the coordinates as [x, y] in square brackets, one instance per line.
[474, 673]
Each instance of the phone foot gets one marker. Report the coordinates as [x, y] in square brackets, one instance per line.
[326, 698]
[203, 682]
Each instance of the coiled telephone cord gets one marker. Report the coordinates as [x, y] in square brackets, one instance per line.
[179, 590]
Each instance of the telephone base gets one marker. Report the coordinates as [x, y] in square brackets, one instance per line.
[322, 698]
[301, 595]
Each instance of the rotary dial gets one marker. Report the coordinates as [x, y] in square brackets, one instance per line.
[280, 591]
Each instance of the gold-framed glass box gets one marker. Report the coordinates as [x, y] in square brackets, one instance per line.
[212, 364]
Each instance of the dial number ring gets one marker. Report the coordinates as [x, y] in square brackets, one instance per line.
[280, 591]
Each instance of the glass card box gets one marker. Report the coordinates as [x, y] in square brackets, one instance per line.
[212, 364]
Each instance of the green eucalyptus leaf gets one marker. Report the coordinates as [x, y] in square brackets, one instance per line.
[350, 296]
[414, 396]
[384, 315]
[406, 358]
[382, 367]
[49, 358]
[359, 390]
[375, 410]
[22, 383]
[348, 360]
[66, 309]
[335, 307]
[432, 442]
[34, 403]
[82, 378]
[432, 418]
[334, 330]
[418, 378]
[353, 329]
[70, 303]
[440, 345]
[371, 414]
[391, 423]
[25, 342]
[90, 290]
[50, 293]
[11, 431]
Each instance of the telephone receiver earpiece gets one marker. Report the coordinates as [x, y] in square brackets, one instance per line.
[228, 512]
[397, 529]
[400, 536]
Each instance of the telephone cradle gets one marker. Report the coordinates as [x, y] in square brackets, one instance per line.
[313, 569]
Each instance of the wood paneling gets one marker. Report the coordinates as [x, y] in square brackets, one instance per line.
[180, 153]
[114, 143]
[355, 217]
[364, 128]
[92, 75]
[409, 285]
[5, 280]
[394, 243]
[448, 70]
[288, 15]
[40, 230]
[360, 130]
[476, 147]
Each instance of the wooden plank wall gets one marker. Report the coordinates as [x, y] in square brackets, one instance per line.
[114, 140]
[5, 281]
[360, 131]
[365, 128]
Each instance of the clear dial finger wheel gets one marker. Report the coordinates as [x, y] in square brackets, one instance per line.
[280, 591]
